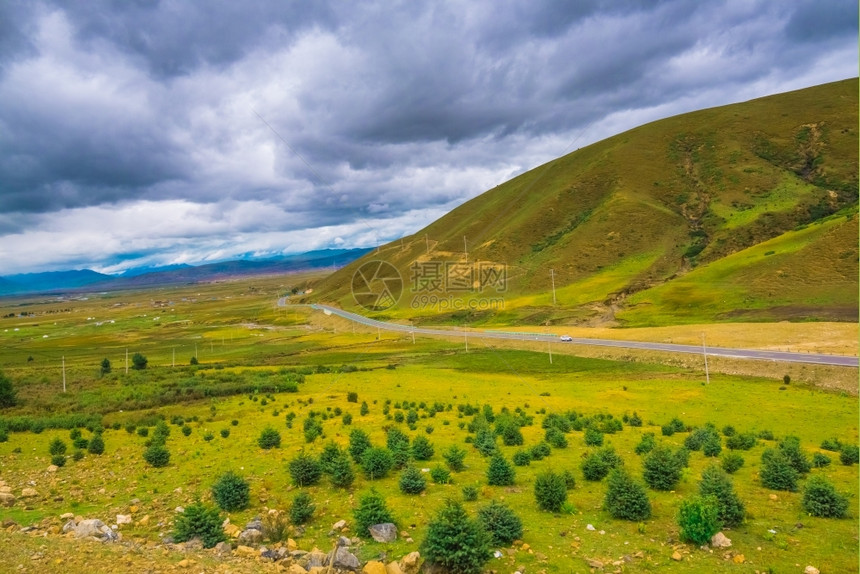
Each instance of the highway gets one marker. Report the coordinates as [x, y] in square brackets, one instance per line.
[754, 354]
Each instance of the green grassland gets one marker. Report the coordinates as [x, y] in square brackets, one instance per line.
[621, 221]
[247, 347]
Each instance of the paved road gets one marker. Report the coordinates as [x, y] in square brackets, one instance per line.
[776, 356]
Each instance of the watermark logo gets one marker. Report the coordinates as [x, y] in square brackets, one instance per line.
[435, 285]
[377, 285]
[458, 277]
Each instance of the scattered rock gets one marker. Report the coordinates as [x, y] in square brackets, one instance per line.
[719, 540]
[393, 568]
[69, 526]
[245, 552]
[291, 544]
[29, 493]
[739, 559]
[374, 567]
[409, 563]
[811, 570]
[255, 524]
[385, 532]
[429, 568]
[123, 519]
[53, 468]
[590, 527]
[109, 535]
[185, 563]
[339, 525]
[232, 530]
[250, 536]
[676, 556]
[223, 548]
[67, 516]
[194, 544]
[594, 563]
[7, 499]
[313, 559]
[343, 541]
[296, 569]
[267, 554]
[342, 558]
[773, 497]
[89, 527]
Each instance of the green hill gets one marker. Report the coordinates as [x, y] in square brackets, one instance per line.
[737, 213]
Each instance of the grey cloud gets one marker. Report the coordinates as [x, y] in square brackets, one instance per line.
[823, 20]
[385, 109]
[176, 38]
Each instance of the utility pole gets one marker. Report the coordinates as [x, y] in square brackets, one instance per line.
[552, 278]
[705, 354]
[64, 373]
[549, 348]
[427, 243]
[465, 248]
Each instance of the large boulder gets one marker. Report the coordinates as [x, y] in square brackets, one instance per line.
[374, 567]
[7, 499]
[385, 532]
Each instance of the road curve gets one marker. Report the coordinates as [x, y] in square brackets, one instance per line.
[776, 356]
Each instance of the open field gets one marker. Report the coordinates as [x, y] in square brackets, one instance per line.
[96, 486]
[247, 347]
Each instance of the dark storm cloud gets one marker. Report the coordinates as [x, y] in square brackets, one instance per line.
[175, 38]
[144, 114]
[826, 20]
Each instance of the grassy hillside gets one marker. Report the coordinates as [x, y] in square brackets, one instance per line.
[750, 206]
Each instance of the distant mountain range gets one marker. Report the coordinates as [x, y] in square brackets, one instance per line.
[58, 281]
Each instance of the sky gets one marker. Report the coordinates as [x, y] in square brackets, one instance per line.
[144, 132]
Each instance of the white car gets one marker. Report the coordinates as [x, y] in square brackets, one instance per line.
[566, 338]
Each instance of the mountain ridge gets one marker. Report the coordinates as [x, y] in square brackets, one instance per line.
[56, 281]
[653, 204]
